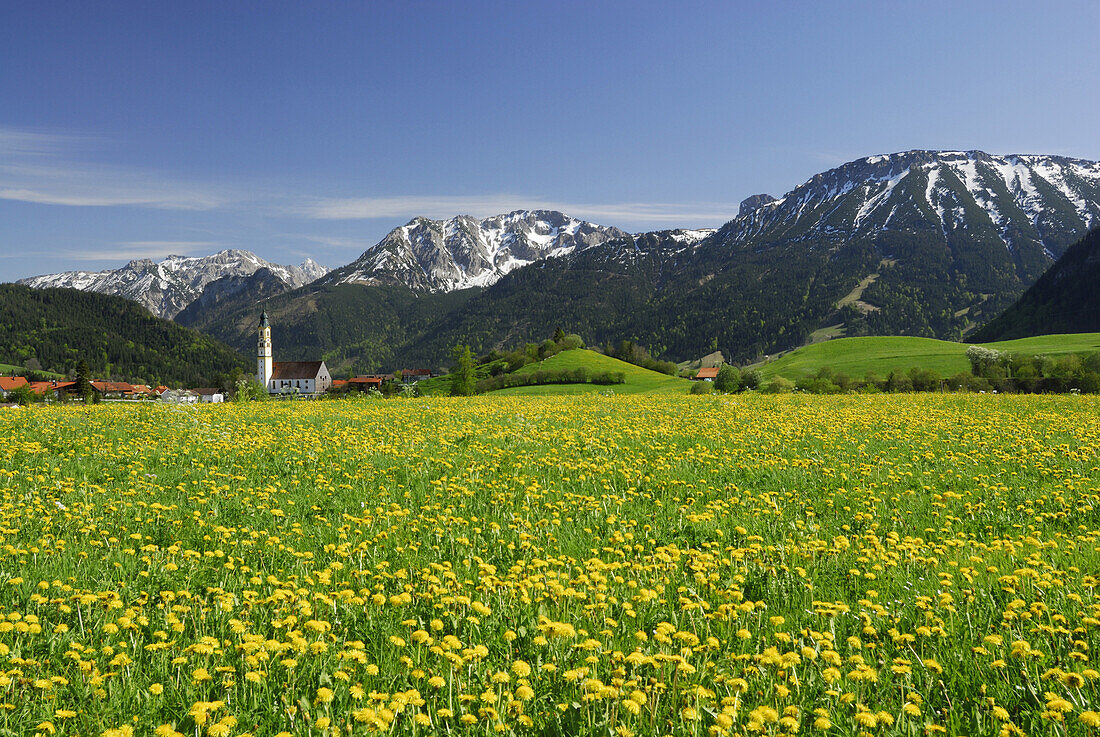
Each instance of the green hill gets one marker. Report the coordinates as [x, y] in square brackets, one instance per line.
[857, 356]
[638, 379]
[118, 339]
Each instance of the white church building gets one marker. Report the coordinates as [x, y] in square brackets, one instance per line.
[288, 377]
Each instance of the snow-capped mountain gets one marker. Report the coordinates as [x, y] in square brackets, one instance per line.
[1034, 205]
[166, 287]
[446, 255]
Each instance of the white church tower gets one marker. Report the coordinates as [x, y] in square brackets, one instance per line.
[263, 352]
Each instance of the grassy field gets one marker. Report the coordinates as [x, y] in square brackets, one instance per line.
[589, 565]
[7, 369]
[857, 356]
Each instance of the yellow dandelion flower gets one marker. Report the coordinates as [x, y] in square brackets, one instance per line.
[1089, 719]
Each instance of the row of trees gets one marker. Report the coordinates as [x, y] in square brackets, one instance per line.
[631, 352]
[496, 369]
[1015, 372]
[580, 375]
[1066, 374]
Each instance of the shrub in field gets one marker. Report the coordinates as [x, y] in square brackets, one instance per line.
[728, 379]
[778, 385]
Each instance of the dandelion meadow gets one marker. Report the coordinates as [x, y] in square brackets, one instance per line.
[903, 564]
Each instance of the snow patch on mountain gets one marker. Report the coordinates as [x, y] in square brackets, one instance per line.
[463, 252]
[168, 286]
[1025, 197]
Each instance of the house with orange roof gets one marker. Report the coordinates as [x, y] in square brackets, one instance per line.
[707, 374]
[11, 383]
[113, 389]
[54, 389]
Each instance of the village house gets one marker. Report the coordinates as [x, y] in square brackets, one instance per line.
[54, 389]
[113, 389]
[364, 383]
[179, 396]
[304, 378]
[707, 374]
[210, 395]
[11, 383]
[411, 376]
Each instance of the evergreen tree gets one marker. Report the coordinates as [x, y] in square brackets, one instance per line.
[83, 388]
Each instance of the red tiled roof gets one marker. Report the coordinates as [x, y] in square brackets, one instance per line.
[41, 387]
[7, 383]
[365, 380]
[337, 383]
[112, 386]
[707, 373]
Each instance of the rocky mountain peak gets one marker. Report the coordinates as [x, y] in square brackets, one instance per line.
[1034, 205]
[168, 286]
[753, 202]
[447, 255]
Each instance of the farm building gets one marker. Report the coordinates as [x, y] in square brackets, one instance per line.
[707, 374]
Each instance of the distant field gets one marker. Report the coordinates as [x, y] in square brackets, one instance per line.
[638, 379]
[857, 356]
[8, 369]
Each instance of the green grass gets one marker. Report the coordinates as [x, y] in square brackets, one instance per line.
[8, 369]
[857, 356]
[638, 379]
[710, 560]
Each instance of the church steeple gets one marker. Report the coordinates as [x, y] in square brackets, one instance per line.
[263, 352]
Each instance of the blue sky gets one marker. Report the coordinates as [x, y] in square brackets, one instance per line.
[138, 129]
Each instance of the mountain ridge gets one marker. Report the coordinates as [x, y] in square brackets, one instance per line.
[167, 286]
[1063, 300]
[922, 243]
[463, 252]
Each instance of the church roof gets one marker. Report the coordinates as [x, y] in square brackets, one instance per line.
[264, 321]
[296, 369]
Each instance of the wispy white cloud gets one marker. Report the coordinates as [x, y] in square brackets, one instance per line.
[359, 244]
[50, 169]
[127, 250]
[365, 208]
[26, 142]
[77, 185]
